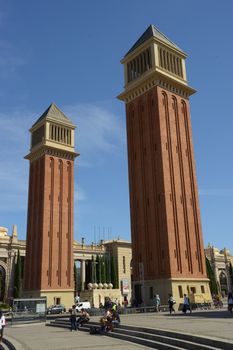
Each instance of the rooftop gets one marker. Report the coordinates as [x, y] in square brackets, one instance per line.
[54, 113]
[152, 31]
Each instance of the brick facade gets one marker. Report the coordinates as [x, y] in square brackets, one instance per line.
[49, 251]
[165, 216]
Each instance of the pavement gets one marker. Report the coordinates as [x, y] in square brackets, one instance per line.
[212, 324]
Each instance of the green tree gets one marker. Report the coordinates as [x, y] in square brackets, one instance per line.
[108, 269]
[93, 270]
[98, 269]
[88, 272]
[2, 284]
[75, 279]
[211, 276]
[18, 277]
[103, 269]
[114, 274]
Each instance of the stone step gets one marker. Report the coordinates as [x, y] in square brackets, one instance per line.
[215, 343]
[184, 344]
[149, 336]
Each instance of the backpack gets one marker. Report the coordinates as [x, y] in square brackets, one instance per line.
[94, 330]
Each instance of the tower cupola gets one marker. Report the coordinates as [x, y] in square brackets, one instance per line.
[154, 60]
[53, 130]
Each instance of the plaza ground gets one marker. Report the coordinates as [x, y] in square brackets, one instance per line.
[211, 324]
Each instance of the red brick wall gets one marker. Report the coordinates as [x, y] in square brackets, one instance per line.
[165, 216]
[49, 251]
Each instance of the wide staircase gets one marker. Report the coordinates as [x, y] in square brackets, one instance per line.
[153, 338]
[6, 345]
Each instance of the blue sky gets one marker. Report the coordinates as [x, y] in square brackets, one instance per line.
[69, 52]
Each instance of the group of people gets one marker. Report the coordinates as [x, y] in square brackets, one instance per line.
[109, 304]
[109, 320]
[186, 304]
[77, 323]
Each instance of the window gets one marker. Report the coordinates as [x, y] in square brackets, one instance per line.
[124, 265]
[139, 65]
[151, 292]
[57, 300]
[180, 291]
[37, 136]
[170, 62]
[202, 289]
[193, 290]
[60, 134]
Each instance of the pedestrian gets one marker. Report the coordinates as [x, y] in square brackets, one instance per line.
[106, 321]
[186, 304]
[157, 302]
[73, 316]
[125, 301]
[2, 325]
[171, 303]
[230, 302]
[84, 318]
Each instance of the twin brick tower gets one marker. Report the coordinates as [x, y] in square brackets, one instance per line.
[167, 244]
[49, 265]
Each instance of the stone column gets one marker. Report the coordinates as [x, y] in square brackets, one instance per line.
[83, 274]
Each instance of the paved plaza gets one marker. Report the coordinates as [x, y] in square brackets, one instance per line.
[214, 324]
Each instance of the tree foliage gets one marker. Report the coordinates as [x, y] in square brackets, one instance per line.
[75, 279]
[88, 277]
[103, 269]
[211, 276]
[97, 265]
[114, 274]
[18, 277]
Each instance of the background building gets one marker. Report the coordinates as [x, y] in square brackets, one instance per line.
[83, 256]
[221, 262]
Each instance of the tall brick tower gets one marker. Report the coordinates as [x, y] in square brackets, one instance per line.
[168, 254]
[49, 249]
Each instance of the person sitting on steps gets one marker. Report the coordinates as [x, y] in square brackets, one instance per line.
[84, 318]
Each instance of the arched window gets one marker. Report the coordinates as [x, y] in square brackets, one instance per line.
[2, 282]
[223, 282]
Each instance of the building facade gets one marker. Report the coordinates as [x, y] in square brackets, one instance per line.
[49, 248]
[82, 254]
[220, 261]
[167, 244]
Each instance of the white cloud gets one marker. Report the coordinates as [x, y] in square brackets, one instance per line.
[10, 59]
[99, 133]
[79, 194]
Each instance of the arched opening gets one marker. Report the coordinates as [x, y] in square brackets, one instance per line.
[2, 282]
[223, 283]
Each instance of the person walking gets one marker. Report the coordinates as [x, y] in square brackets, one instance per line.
[157, 302]
[230, 302]
[73, 316]
[2, 325]
[171, 303]
[186, 304]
